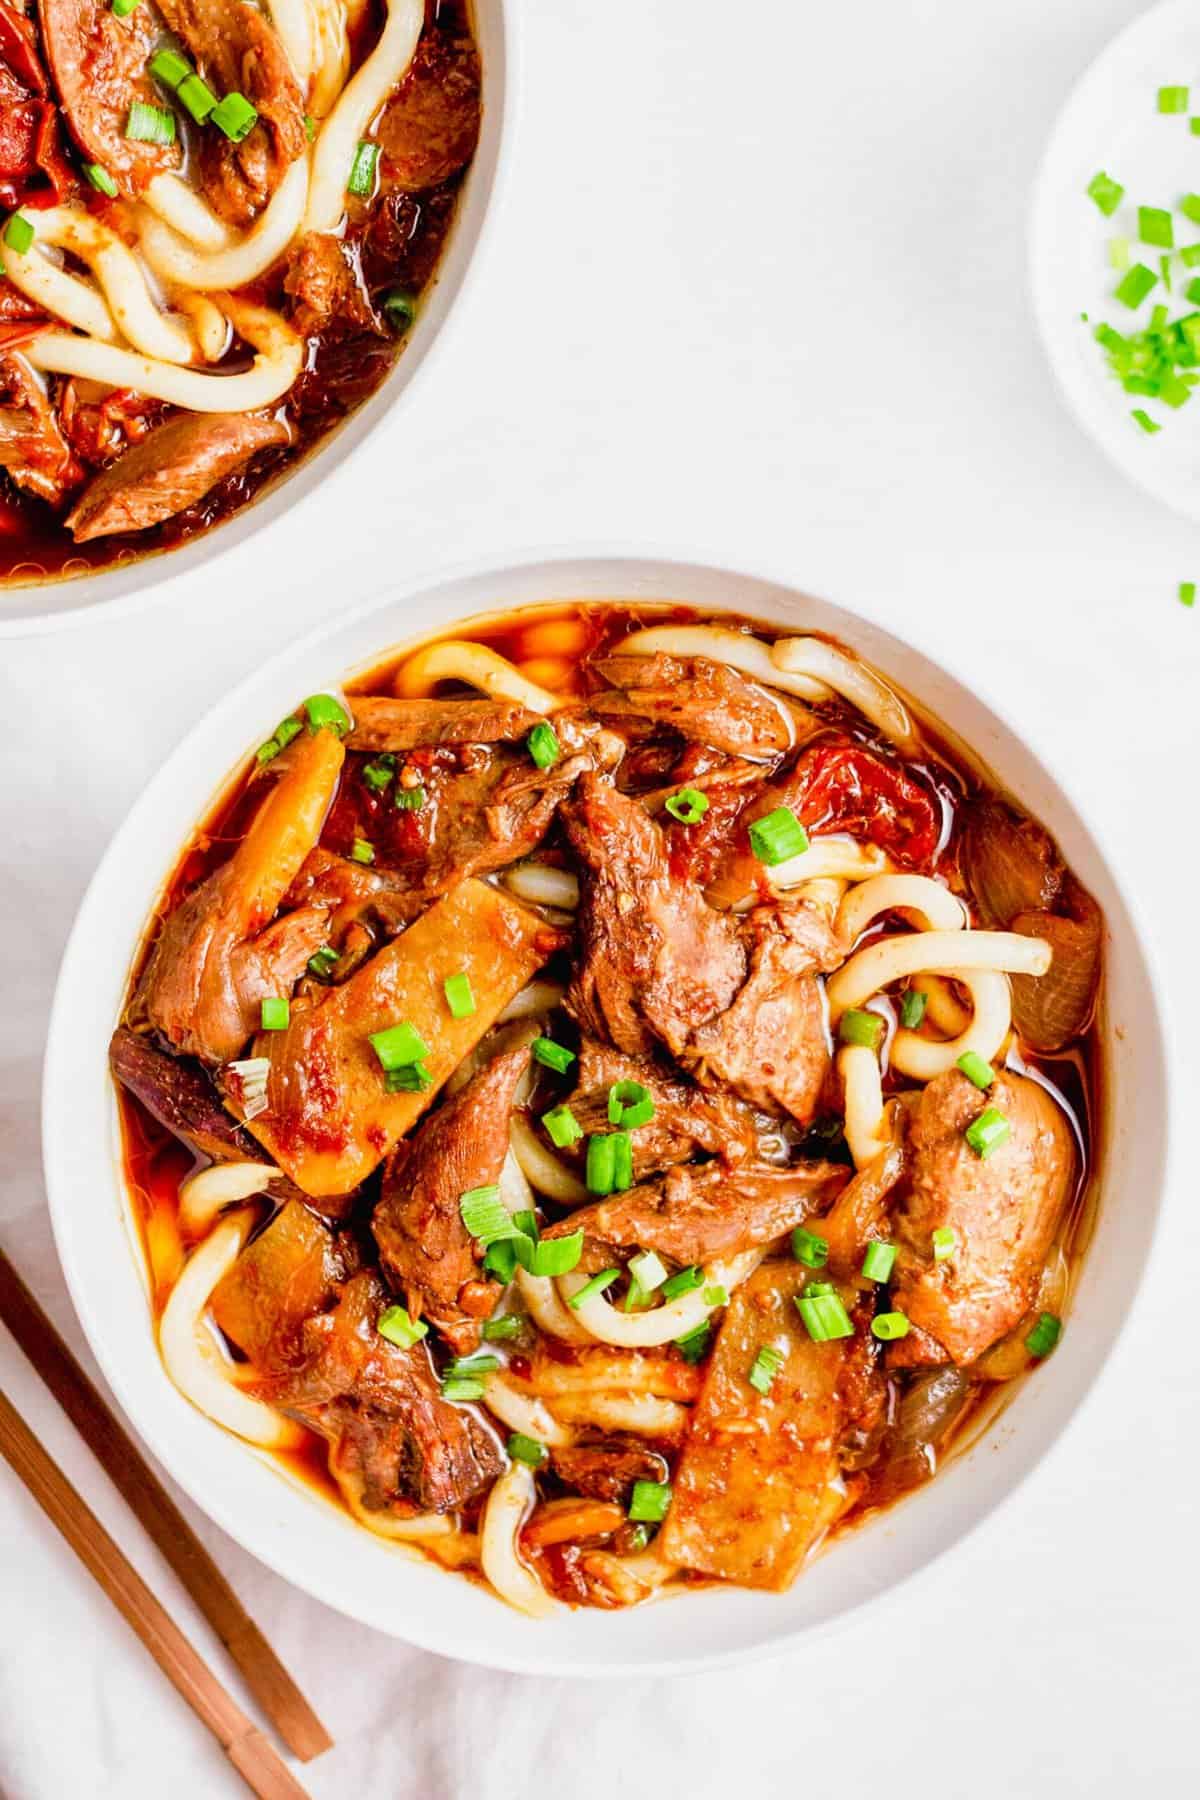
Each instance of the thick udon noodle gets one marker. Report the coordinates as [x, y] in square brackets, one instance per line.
[613, 1388]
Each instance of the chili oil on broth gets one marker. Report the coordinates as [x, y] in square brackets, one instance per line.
[533, 639]
[398, 239]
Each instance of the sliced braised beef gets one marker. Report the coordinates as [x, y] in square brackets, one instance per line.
[32, 447]
[382, 1408]
[99, 63]
[214, 962]
[172, 467]
[656, 961]
[1003, 1209]
[381, 723]
[430, 126]
[695, 1214]
[181, 1095]
[686, 1119]
[425, 1250]
[607, 1470]
[236, 49]
[32, 163]
[772, 1046]
[704, 700]
[1018, 883]
[324, 279]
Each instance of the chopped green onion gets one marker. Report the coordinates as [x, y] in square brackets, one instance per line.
[361, 179]
[275, 1013]
[1118, 254]
[976, 1069]
[765, 1368]
[889, 1326]
[413, 1078]
[650, 1502]
[716, 1295]
[591, 1288]
[123, 8]
[100, 179]
[1164, 264]
[543, 746]
[1192, 291]
[1135, 284]
[197, 97]
[813, 1290]
[622, 1145]
[879, 1261]
[598, 1171]
[637, 1540]
[1107, 193]
[397, 1325]
[410, 799]
[1189, 256]
[689, 806]
[485, 1215]
[647, 1270]
[479, 1362]
[322, 962]
[526, 1450]
[824, 1316]
[1189, 206]
[361, 851]
[1187, 593]
[399, 309]
[148, 124]
[310, 127]
[809, 1249]
[912, 1008]
[1156, 227]
[170, 68]
[380, 773]
[459, 998]
[500, 1259]
[1145, 421]
[944, 1242]
[629, 1104]
[1194, 127]
[682, 1282]
[693, 1345]
[526, 1222]
[19, 233]
[324, 712]
[554, 1056]
[562, 1127]
[499, 1330]
[636, 1296]
[1172, 99]
[462, 1387]
[398, 1045]
[552, 1256]
[777, 837]
[1044, 1335]
[988, 1132]
[235, 116]
[284, 733]
[863, 1028]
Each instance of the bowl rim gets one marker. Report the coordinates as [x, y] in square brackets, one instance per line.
[619, 566]
[123, 590]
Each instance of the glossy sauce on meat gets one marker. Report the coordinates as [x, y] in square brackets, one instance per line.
[902, 1421]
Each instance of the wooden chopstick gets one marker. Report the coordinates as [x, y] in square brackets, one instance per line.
[265, 1676]
[250, 1752]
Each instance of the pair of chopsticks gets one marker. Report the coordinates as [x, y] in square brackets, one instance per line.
[248, 1749]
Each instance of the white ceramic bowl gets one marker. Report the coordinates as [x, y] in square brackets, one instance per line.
[46, 605]
[308, 1540]
[1111, 122]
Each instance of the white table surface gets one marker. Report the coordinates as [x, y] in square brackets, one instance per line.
[758, 290]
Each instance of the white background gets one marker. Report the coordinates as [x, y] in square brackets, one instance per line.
[758, 289]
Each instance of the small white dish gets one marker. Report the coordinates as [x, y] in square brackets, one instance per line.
[49, 604]
[316, 1545]
[1111, 122]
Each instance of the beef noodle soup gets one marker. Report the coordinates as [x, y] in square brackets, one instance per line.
[216, 224]
[612, 1097]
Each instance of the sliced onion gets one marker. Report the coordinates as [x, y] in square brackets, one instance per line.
[541, 884]
[541, 1167]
